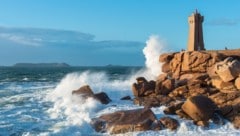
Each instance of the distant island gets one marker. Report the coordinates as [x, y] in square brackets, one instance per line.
[41, 65]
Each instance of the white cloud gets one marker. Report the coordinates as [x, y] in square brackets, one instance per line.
[37, 37]
[77, 48]
[46, 37]
[20, 39]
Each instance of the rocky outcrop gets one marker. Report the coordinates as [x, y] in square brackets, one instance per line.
[196, 85]
[86, 92]
[194, 61]
[145, 93]
[199, 76]
[189, 62]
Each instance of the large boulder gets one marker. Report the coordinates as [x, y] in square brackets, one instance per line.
[86, 92]
[199, 108]
[102, 97]
[125, 121]
[143, 87]
[228, 69]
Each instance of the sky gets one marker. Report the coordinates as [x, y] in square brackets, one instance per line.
[102, 32]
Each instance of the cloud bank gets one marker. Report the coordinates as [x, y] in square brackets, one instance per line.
[73, 47]
[224, 22]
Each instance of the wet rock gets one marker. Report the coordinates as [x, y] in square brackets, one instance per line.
[202, 123]
[169, 123]
[182, 114]
[173, 108]
[125, 121]
[236, 121]
[102, 97]
[199, 108]
[143, 87]
[157, 125]
[226, 110]
[218, 119]
[99, 125]
[85, 91]
[126, 98]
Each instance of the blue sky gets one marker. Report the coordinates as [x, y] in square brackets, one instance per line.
[101, 32]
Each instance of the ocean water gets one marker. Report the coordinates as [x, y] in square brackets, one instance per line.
[38, 101]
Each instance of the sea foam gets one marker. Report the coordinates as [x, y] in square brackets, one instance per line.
[72, 110]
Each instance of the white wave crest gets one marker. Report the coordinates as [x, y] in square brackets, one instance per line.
[154, 47]
[77, 112]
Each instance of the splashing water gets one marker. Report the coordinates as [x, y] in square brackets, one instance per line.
[78, 112]
[154, 47]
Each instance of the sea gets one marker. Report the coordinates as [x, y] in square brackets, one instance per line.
[39, 101]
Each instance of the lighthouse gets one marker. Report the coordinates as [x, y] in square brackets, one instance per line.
[195, 38]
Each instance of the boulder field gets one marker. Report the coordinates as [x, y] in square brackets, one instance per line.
[195, 85]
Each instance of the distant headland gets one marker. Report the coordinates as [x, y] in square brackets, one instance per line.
[41, 65]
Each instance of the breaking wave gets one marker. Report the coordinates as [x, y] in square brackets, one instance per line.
[78, 112]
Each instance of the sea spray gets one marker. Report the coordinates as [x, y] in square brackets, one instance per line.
[74, 111]
[68, 109]
[154, 47]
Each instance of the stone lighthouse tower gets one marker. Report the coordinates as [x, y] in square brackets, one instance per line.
[195, 39]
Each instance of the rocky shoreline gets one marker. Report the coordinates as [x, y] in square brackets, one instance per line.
[195, 85]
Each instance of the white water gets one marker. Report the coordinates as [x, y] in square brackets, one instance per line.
[75, 114]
